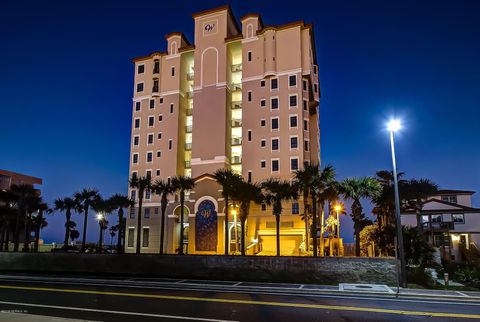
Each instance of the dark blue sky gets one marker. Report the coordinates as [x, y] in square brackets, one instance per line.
[66, 85]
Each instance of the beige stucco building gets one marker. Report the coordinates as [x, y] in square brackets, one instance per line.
[243, 96]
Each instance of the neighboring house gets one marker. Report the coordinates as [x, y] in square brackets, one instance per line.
[450, 223]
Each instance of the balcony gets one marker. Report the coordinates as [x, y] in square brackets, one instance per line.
[188, 164]
[189, 95]
[234, 87]
[190, 76]
[188, 128]
[236, 141]
[236, 159]
[188, 146]
[438, 226]
[236, 105]
[236, 68]
[189, 111]
[236, 123]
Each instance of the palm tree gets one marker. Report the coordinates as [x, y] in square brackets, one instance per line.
[355, 189]
[68, 205]
[276, 191]
[86, 198]
[8, 215]
[113, 230]
[182, 184]
[119, 202]
[244, 193]
[227, 179]
[142, 184]
[303, 181]
[26, 197]
[163, 188]
[40, 222]
[102, 208]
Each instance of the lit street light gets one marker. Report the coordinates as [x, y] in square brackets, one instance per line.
[393, 126]
[101, 223]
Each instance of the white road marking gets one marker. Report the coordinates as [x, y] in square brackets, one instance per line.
[462, 294]
[117, 312]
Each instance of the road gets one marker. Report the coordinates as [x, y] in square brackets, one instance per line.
[138, 299]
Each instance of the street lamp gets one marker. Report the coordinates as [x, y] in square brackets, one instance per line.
[393, 126]
[100, 218]
[234, 213]
[338, 207]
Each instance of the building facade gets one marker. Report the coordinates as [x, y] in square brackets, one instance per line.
[450, 224]
[9, 178]
[244, 96]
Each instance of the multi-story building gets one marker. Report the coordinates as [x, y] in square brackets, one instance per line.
[449, 223]
[243, 96]
[9, 178]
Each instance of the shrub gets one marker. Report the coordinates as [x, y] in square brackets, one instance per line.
[418, 275]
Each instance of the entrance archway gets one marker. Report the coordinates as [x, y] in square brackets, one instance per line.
[206, 227]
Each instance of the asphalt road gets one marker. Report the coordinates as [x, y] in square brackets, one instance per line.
[181, 300]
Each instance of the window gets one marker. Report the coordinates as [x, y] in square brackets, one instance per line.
[158, 172]
[275, 123]
[263, 103]
[437, 218]
[304, 85]
[262, 83]
[171, 108]
[274, 83]
[293, 121]
[441, 240]
[264, 206]
[262, 122]
[148, 174]
[458, 218]
[249, 55]
[151, 121]
[305, 125]
[145, 239]
[136, 138]
[140, 69]
[275, 165]
[306, 145]
[135, 158]
[159, 154]
[159, 135]
[249, 95]
[131, 233]
[263, 143]
[139, 87]
[155, 88]
[133, 196]
[160, 118]
[152, 103]
[263, 164]
[146, 213]
[293, 101]
[149, 156]
[292, 80]
[169, 144]
[304, 105]
[249, 134]
[294, 142]
[249, 176]
[295, 208]
[148, 194]
[315, 69]
[150, 139]
[173, 71]
[137, 106]
[294, 164]
[161, 100]
[134, 174]
[274, 102]
[315, 88]
[452, 198]
[274, 144]
[137, 123]
[156, 66]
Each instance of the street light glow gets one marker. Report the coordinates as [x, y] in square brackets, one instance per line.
[99, 216]
[394, 125]
[337, 207]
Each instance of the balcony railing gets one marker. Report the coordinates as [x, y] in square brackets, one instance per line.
[188, 146]
[188, 129]
[188, 164]
[236, 67]
[190, 76]
[236, 87]
[236, 159]
[236, 141]
[438, 226]
[236, 105]
[236, 123]
[189, 111]
[190, 95]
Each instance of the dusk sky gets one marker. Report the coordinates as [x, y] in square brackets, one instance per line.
[66, 87]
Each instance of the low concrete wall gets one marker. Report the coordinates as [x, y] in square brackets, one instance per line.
[326, 270]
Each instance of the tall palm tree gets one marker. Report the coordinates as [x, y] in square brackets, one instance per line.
[103, 208]
[142, 184]
[86, 198]
[276, 191]
[227, 179]
[119, 202]
[163, 188]
[40, 222]
[26, 196]
[182, 184]
[245, 193]
[355, 189]
[303, 181]
[68, 205]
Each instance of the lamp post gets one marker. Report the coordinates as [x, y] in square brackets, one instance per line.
[100, 219]
[338, 208]
[234, 213]
[393, 126]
